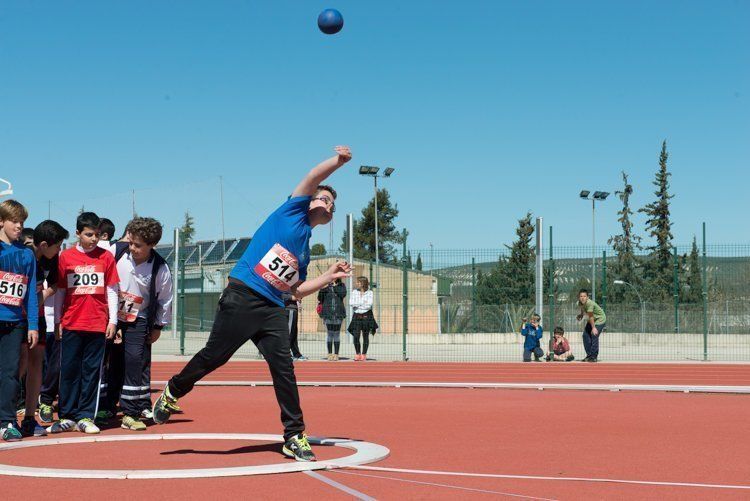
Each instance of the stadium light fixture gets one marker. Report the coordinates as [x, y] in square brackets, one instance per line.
[600, 196]
[371, 170]
[368, 170]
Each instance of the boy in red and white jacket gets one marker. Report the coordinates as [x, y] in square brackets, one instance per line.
[88, 283]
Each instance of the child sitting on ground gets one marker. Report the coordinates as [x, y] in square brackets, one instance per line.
[560, 347]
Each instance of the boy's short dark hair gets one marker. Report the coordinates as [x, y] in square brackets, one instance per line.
[107, 226]
[87, 220]
[536, 317]
[147, 229]
[326, 187]
[27, 233]
[559, 330]
[51, 232]
[584, 290]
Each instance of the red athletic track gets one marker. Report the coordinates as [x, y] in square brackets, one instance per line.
[573, 372]
[675, 437]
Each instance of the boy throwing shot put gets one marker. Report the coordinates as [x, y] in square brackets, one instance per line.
[252, 306]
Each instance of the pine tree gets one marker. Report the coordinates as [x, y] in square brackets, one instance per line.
[364, 231]
[625, 245]
[409, 263]
[694, 293]
[187, 231]
[512, 280]
[659, 269]
[318, 250]
[418, 266]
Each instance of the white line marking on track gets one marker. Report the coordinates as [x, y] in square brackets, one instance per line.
[339, 486]
[515, 386]
[537, 477]
[443, 485]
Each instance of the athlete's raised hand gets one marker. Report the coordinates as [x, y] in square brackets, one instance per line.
[339, 269]
[344, 154]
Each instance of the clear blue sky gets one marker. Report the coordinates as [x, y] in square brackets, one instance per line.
[486, 110]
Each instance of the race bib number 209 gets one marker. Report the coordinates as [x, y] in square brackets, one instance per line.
[86, 279]
[279, 267]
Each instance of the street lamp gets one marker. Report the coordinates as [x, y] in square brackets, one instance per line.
[372, 171]
[640, 300]
[601, 196]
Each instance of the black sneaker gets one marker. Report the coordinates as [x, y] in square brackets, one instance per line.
[548, 358]
[298, 448]
[586, 359]
[164, 406]
[570, 358]
[30, 428]
[46, 413]
[591, 359]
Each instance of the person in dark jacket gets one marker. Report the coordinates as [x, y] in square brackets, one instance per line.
[333, 313]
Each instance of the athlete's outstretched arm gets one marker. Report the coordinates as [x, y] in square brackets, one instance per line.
[340, 269]
[320, 172]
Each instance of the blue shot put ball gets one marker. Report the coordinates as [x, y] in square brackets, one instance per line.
[330, 21]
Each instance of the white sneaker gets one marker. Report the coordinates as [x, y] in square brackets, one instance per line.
[87, 426]
[147, 414]
[62, 426]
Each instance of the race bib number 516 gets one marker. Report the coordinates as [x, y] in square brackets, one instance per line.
[12, 288]
[279, 267]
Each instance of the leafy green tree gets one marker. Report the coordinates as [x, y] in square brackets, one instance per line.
[318, 250]
[418, 266]
[187, 231]
[364, 231]
[658, 272]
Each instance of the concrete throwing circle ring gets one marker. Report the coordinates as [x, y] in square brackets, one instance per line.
[365, 452]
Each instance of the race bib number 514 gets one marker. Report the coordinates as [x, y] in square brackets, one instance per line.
[12, 288]
[279, 267]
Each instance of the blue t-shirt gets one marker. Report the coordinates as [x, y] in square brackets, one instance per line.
[279, 252]
[18, 285]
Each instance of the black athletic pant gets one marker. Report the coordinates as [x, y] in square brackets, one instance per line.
[81, 358]
[244, 315]
[136, 387]
[112, 377]
[11, 337]
[293, 331]
[51, 380]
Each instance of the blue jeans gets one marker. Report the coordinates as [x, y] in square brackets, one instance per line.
[591, 342]
[538, 353]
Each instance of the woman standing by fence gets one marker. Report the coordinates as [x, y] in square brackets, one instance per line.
[333, 313]
[363, 322]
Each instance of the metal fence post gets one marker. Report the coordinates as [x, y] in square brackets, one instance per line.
[474, 295]
[604, 279]
[405, 301]
[551, 287]
[676, 293]
[704, 293]
[182, 305]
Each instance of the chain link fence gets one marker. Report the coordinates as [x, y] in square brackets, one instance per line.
[468, 305]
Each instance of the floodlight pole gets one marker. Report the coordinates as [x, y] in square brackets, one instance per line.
[593, 249]
[377, 250]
